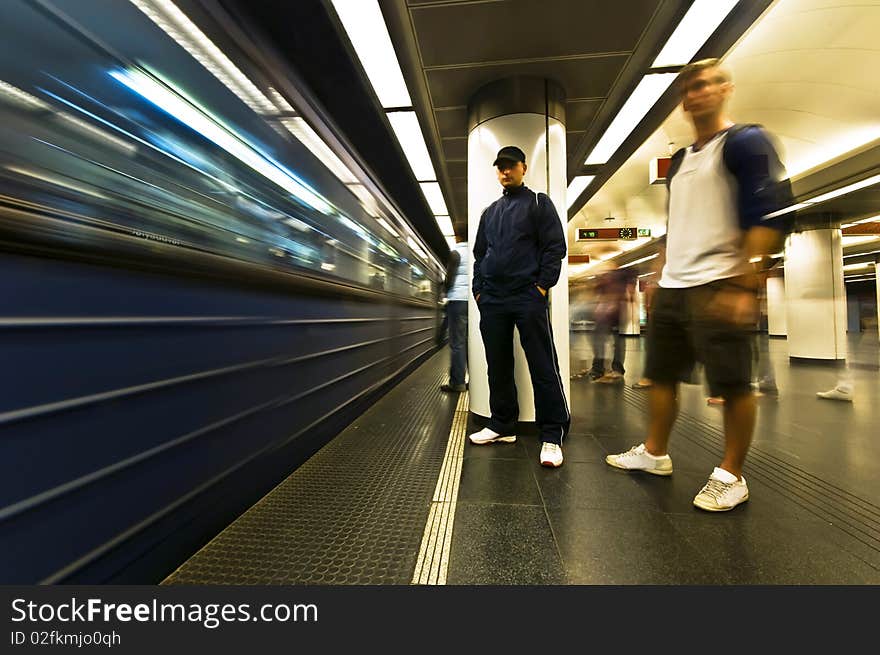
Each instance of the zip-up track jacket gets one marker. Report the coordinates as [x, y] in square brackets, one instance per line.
[520, 243]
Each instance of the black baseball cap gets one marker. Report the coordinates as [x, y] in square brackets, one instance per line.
[510, 153]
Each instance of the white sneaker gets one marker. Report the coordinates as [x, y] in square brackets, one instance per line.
[722, 492]
[486, 435]
[836, 394]
[639, 459]
[551, 454]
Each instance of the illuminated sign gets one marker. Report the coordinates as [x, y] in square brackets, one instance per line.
[609, 233]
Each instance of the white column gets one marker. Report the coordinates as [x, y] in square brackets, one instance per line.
[629, 316]
[776, 315]
[815, 295]
[531, 132]
[853, 315]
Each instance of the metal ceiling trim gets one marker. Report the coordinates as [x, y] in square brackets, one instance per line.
[402, 33]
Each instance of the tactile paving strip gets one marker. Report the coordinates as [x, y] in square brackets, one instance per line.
[355, 512]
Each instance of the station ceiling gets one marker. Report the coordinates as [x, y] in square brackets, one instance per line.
[806, 69]
[597, 50]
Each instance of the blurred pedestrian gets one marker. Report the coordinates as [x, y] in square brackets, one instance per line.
[704, 309]
[614, 293]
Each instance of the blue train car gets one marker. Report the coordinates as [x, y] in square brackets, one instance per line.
[197, 295]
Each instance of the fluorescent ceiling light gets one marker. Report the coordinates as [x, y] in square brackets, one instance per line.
[445, 225]
[855, 186]
[786, 210]
[871, 219]
[861, 254]
[363, 21]
[169, 101]
[406, 127]
[855, 267]
[577, 186]
[857, 240]
[844, 190]
[639, 261]
[647, 274]
[434, 196]
[175, 24]
[280, 101]
[9, 92]
[310, 139]
[698, 24]
[633, 111]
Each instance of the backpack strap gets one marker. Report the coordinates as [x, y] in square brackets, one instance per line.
[674, 165]
[732, 132]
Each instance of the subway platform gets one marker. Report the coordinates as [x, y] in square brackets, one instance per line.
[401, 497]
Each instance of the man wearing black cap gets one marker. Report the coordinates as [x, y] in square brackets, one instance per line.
[517, 258]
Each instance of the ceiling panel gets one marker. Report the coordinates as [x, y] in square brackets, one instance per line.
[571, 141]
[456, 169]
[592, 48]
[581, 78]
[455, 148]
[455, 34]
[580, 112]
[452, 122]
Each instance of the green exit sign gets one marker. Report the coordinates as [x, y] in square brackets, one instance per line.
[644, 231]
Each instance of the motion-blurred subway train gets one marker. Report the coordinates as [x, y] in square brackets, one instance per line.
[201, 286]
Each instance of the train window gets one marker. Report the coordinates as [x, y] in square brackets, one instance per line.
[111, 123]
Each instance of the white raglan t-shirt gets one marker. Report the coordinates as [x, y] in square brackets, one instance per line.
[704, 240]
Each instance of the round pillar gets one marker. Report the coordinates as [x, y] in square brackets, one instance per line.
[776, 316]
[629, 317]
[815, 295]
[528, 112]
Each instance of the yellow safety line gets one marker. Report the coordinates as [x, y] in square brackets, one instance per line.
[433, 560]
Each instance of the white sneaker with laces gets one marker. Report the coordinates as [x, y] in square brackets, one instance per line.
[486, 435]
[722, 492]
[638, 458]
[837, 393]
[551, 454]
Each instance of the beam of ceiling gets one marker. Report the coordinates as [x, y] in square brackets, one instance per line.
[597, 50]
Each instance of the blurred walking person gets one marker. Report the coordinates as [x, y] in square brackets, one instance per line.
[614, 292]
[704, 308]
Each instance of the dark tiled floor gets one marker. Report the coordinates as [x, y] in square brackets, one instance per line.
[814, 479]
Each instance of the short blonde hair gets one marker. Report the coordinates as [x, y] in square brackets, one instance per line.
[689, 71]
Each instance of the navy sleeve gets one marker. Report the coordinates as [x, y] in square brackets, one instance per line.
[479, 252]
[762, 184]
[551, 243]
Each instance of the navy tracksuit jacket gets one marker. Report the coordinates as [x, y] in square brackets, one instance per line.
[519, 246]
